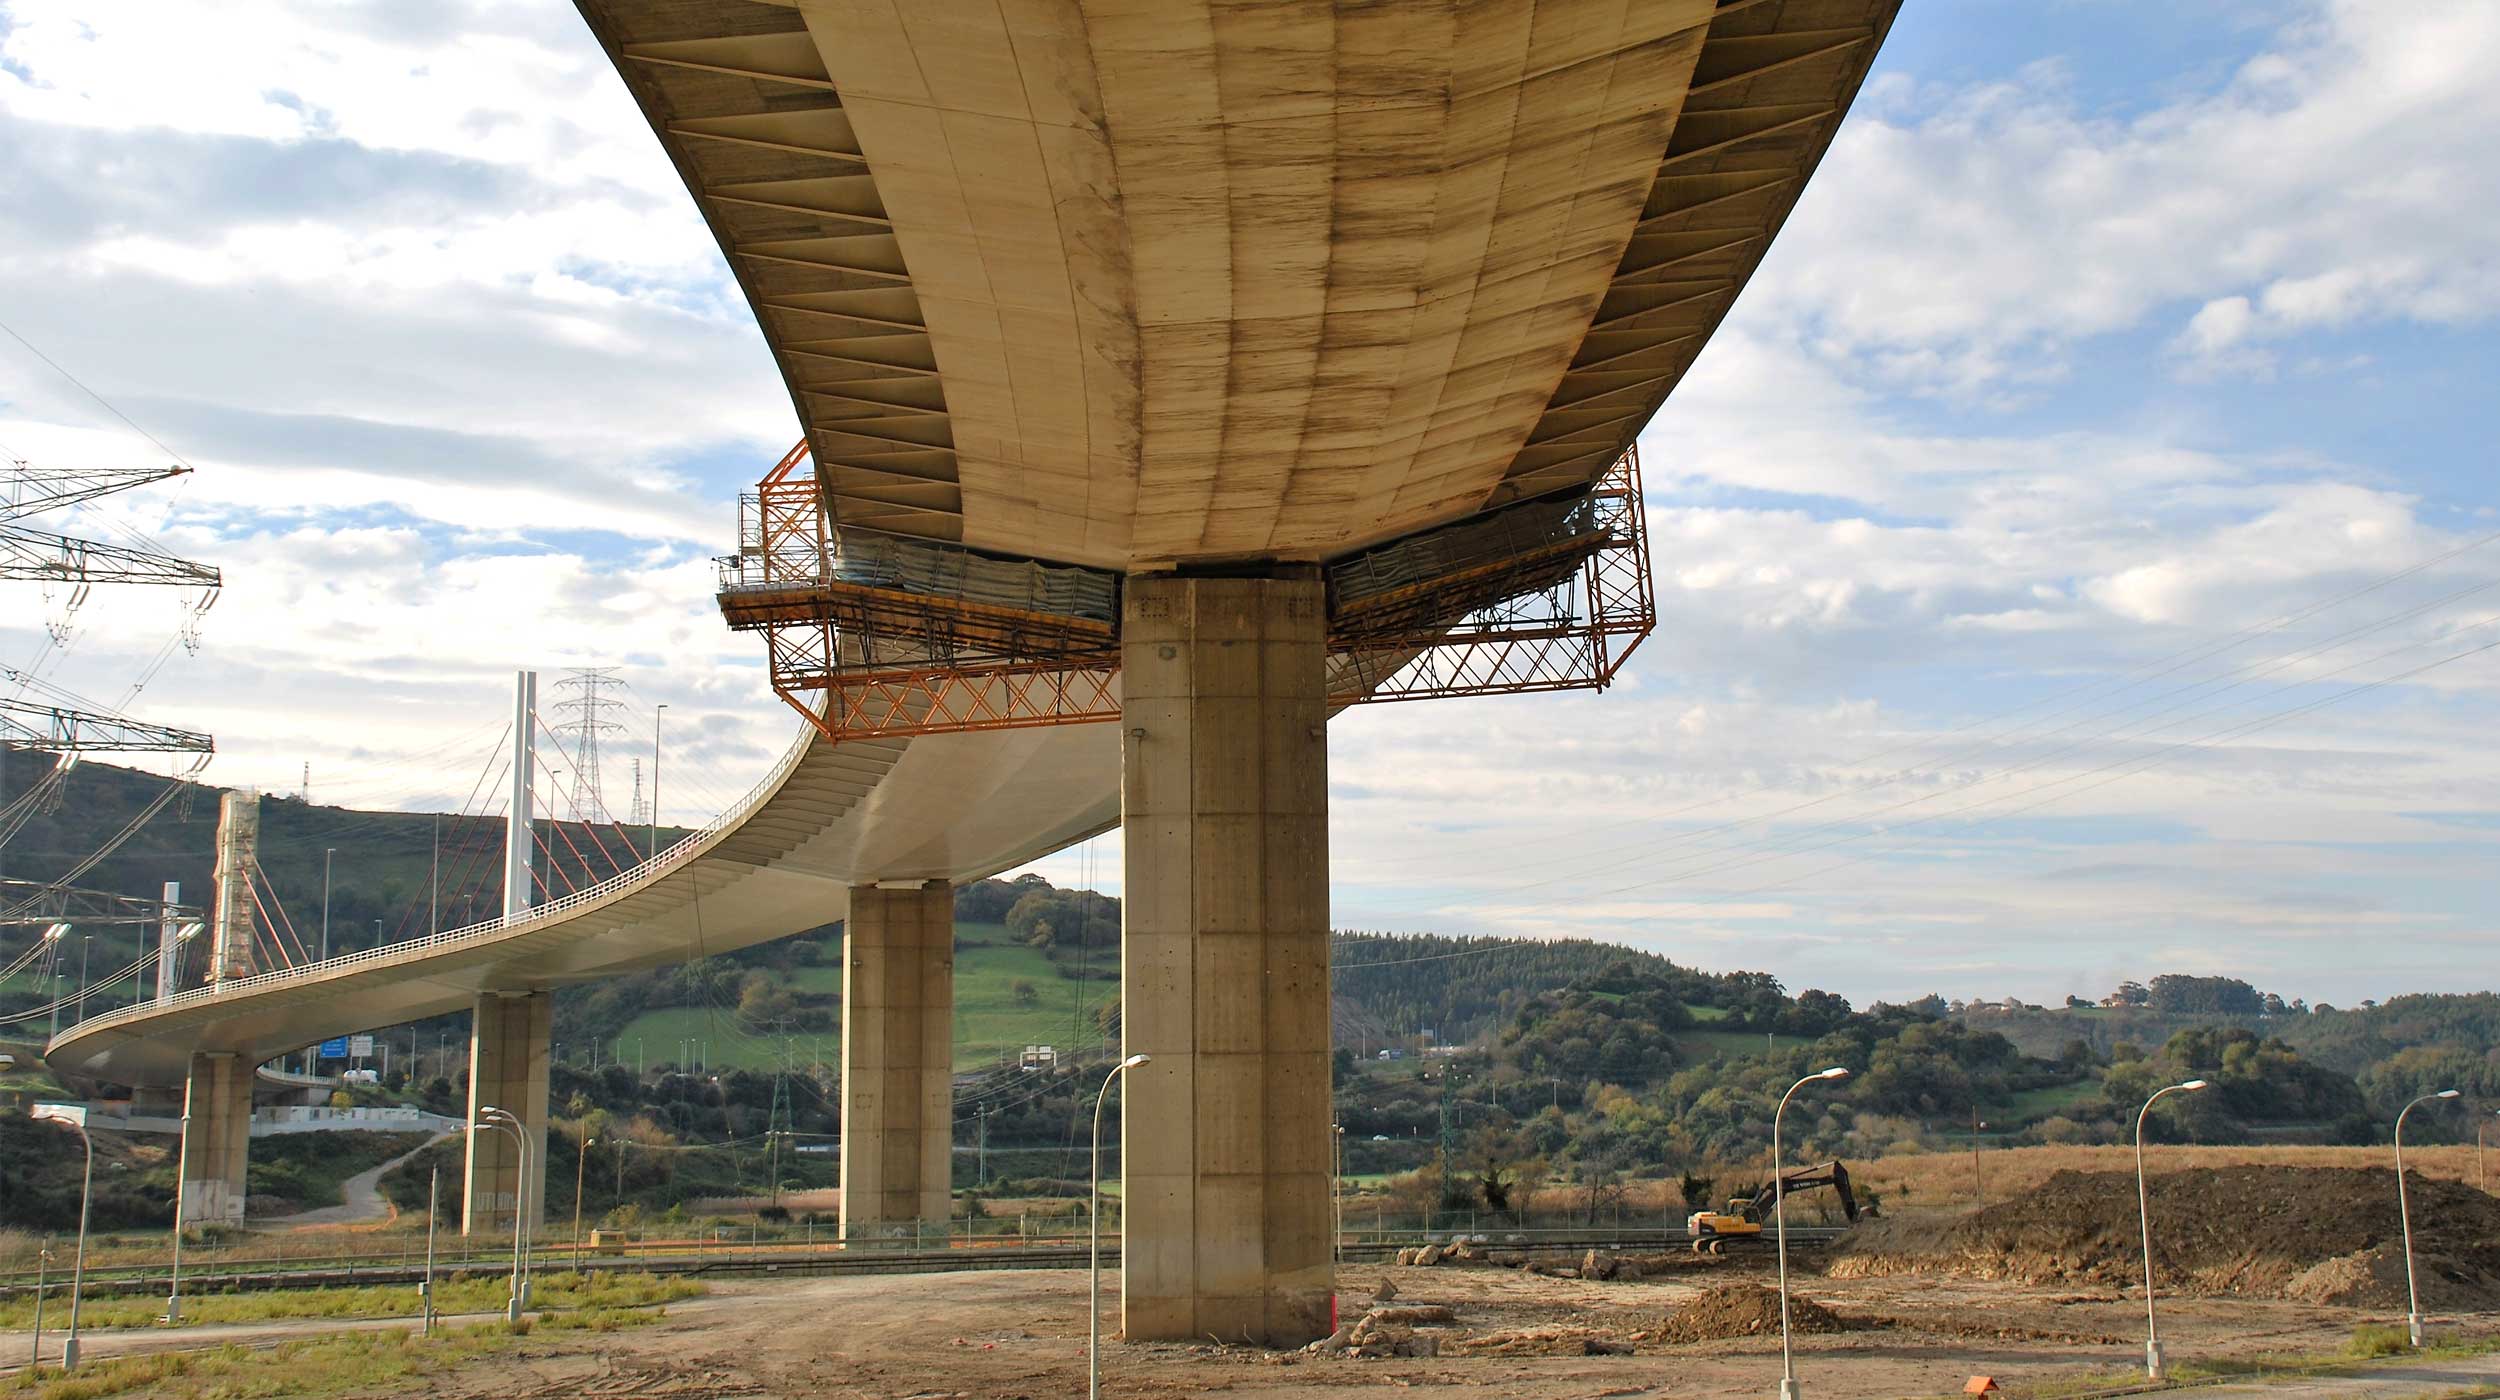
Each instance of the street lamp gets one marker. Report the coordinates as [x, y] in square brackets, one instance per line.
[492, 1117]
[581, 1159]
[2404, 1216]
[2482, 1179]
[2144, 1218]
[1093, 1286]
[173, 1294]
[75, 1115]
[1779, 1216]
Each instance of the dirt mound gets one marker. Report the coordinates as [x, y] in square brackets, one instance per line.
[2316, 1234]
[1746, 1310]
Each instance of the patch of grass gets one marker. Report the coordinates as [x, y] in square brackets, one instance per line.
[1704, 1045]
[601, 1319]
[2370, 1340]
[453, 1293]
[359, 1362]
[989, 1021]
[2032, 1105]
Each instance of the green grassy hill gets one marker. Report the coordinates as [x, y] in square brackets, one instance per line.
[991, 1020]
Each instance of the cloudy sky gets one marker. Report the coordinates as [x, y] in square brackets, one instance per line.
[2071, 551]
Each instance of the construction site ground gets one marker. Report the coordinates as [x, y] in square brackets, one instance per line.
[1022, 1334]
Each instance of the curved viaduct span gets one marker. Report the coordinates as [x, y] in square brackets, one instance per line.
[1198, 366]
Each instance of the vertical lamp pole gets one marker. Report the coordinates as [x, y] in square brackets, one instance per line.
[433, 1208]
[2144, 1218]
[492, 1117]
[1093, 1216]
[2404, 1215]
[2482, 1179]
[581, 1159]
[1779, 1215]
[173, 1294]
[75, 1115]
[326, 853]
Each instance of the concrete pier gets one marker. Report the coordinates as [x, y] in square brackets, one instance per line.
[216, 1139]
[898, 1061]
[1224, 950]
[508, 1053]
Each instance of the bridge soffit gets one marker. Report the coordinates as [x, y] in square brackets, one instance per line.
[1167, 331]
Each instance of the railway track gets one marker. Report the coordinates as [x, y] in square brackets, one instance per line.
[798, 1261]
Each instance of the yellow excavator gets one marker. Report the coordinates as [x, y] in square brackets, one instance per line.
[1744, 1217]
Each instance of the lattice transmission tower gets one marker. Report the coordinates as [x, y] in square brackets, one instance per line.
[589, 709]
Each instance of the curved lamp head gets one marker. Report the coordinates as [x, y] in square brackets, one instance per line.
[1835, 1072]
[2191, 1085]
[1134, 1061]
[2445, 1094]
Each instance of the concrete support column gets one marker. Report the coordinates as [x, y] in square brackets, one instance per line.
[1224, 959]
[898, 1061]
[216, 1139]
[508, 1051]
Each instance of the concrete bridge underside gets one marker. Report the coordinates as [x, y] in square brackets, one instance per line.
[1204, 294]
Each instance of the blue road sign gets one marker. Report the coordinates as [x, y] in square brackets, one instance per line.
[334, 1048]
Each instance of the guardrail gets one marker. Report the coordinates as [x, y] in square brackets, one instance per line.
[678, 853]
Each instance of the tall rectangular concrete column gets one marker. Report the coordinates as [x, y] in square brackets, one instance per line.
[216, 1139]
[898, 1061]
[508, 1052]
[1224, 1138]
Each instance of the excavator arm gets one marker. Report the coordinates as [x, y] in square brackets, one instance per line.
[1831, 1174]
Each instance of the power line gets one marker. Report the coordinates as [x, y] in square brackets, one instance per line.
[590, 719]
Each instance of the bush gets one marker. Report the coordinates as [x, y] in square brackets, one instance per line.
[2371, 1339]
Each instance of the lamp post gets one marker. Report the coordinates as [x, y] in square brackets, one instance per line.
[1093, 1217]
[2404, 1216]
[1779, 1217]
[84, 941]
[2482, 1179]
[75, 1115]
[1336, 1197]
[496, 1118]
[326, 853]
[173, 1294]
[581, 1159]
[433, 1210]
[2144, 1219]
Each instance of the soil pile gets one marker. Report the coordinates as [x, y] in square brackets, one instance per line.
[2315, 1234]
[1745, 1310]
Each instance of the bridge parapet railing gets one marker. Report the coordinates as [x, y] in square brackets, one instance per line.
[679, 852]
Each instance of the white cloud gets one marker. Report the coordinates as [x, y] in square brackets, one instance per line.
[1959, 239]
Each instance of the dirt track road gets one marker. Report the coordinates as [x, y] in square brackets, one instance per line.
[993, 1336]
[363, 1193]
[1001, 1335]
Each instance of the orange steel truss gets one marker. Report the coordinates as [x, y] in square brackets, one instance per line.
[1553, 596]
[1554, 615]
[892, 663]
